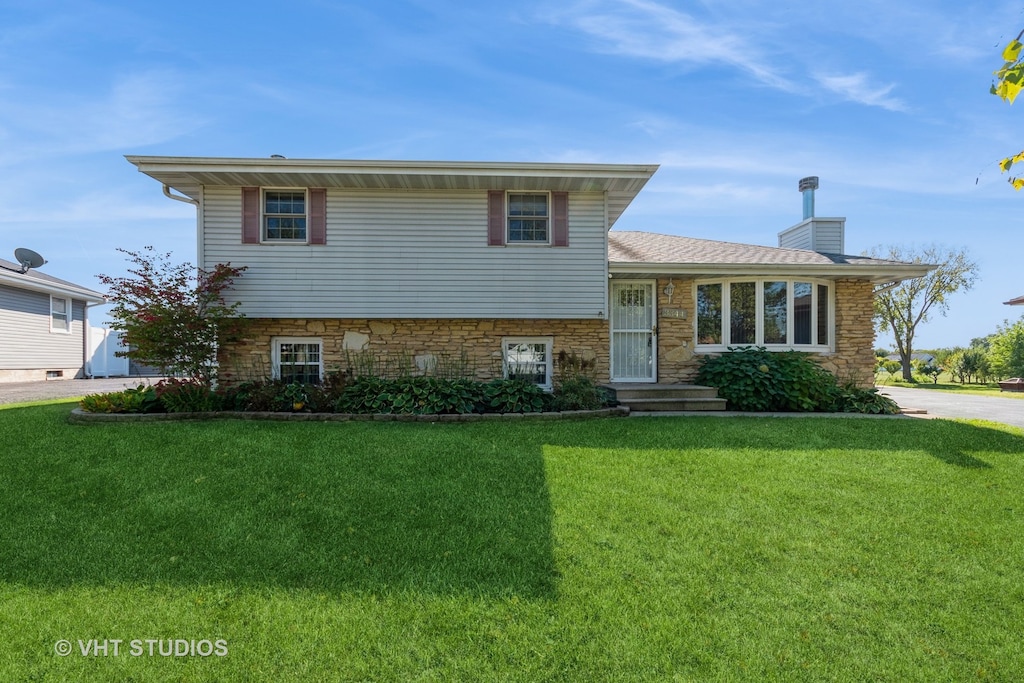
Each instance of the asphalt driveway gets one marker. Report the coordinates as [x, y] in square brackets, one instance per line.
[942, 404]
[22, 392]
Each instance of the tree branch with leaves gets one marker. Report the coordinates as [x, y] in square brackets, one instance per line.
[901, 308]
[174, 316]
[1009, 83]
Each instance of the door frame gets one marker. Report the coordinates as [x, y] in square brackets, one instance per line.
[653, 332]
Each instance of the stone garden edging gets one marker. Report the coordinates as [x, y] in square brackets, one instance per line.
[79, 416]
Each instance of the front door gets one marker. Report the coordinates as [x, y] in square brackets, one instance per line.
[634, 332]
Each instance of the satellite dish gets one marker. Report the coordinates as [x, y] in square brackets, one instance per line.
[28, 259]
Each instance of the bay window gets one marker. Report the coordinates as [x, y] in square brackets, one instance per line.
[775, 313]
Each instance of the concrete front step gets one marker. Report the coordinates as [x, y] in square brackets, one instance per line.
[667, 397]
[652, 405]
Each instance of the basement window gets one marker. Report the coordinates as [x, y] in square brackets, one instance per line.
[528, 358]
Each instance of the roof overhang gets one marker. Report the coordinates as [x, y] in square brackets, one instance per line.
[1019, 301]
[877, 274]
[69, 290]
[188, 175]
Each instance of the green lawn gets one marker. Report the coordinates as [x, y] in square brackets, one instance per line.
[700, 549]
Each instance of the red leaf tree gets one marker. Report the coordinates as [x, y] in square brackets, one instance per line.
[174, 316]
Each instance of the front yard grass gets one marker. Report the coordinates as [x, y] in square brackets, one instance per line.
[628, 549]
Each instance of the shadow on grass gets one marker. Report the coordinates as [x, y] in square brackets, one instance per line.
[360, 507]
[365, 507]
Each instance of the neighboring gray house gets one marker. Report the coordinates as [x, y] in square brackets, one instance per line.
[43, 325]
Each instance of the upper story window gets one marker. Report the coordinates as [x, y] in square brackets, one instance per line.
[772, 313]
[284, 215]
[60, 314]
[528, 216]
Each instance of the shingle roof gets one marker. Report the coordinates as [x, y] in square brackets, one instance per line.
[632, 252]
[648, 247]
[34, 279]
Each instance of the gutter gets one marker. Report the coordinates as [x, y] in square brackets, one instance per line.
[179, 198]
[877, 274]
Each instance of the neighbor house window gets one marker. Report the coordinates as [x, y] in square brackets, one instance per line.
[528, 216]
[298, 359]
[771, 313]
[284, 215]
[60, 314]
[528, 358]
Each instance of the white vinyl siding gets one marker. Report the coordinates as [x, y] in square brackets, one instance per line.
[26, 340]
[411, 255]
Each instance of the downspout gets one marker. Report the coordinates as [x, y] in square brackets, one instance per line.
[199, 231]
[179, 198]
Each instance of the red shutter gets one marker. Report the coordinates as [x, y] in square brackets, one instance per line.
[559, 219]
[318, 216]
[495, 218]
[250, 215]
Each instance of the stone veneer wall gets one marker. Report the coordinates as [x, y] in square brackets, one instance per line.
[853, 359]
[676, 359]
[479, 340]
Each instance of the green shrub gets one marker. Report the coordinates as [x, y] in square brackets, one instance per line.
[142, 399]
[410, 396]
[513, 396]
[365, 395]
[851, 399]
[579, 393]
[321, 397]
[187, 396]
[755, 379]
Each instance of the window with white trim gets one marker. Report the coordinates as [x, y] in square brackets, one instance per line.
[284, 215]
[774, 313]
[528, 358]
[528, 217]
[298, 359]
[60, 315]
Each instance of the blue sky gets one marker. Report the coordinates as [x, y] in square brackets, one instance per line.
[886, 102]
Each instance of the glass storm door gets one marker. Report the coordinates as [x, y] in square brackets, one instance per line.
[633, 332]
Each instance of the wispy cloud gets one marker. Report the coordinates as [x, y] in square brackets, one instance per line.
[857, 88]
[645, 29]
[648, 30]
[136, 110]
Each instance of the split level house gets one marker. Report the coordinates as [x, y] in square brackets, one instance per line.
[44, 325]
[506, 265]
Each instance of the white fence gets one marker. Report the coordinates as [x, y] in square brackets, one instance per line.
[103, 344]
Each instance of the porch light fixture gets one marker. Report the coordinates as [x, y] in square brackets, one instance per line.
[669, 290]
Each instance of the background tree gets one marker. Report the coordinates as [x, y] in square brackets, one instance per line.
[902, 308]
[1007, 351]
[1008, 84]
[174, 316]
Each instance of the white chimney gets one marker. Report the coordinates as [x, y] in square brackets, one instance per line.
[824, 235]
